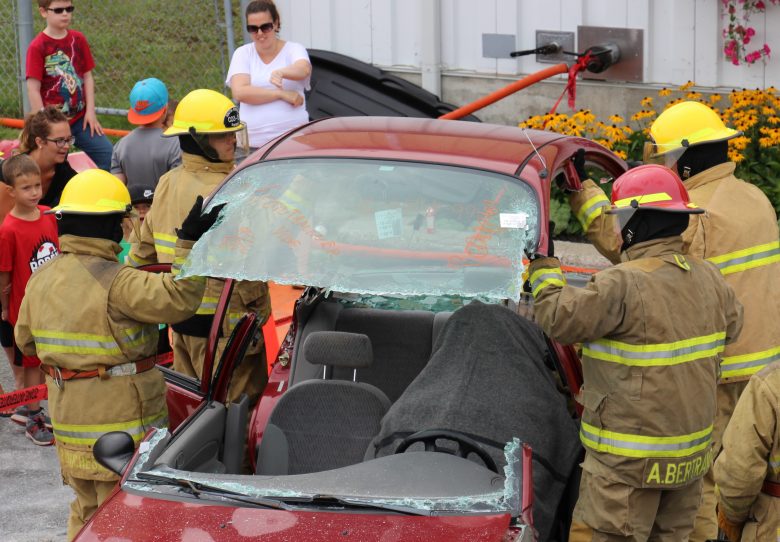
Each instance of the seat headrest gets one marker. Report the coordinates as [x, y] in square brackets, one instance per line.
[338, 349]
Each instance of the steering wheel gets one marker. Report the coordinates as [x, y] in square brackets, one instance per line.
[466, 445]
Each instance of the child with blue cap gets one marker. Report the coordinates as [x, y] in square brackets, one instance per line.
[143, 156]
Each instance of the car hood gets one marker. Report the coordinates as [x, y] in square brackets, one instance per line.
[130, 517]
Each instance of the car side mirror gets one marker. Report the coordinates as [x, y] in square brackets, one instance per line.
[114, 451]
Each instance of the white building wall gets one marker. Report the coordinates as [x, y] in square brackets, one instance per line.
[682, 37]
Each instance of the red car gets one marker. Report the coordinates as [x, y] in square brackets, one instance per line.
[409, 400]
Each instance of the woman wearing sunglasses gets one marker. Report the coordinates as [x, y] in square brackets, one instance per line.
[268, 77]
[47, 139]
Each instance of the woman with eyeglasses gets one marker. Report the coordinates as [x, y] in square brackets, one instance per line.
[268, 77]
[47, 139]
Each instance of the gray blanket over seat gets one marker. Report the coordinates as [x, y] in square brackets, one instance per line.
[487, 378]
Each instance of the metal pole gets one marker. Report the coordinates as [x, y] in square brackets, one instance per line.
[24, 17]
[247, 37]
[431, 46]
[231, 40]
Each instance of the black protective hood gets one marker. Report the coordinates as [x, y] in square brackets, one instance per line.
[96, 226]
[647, 225]
[702, 157]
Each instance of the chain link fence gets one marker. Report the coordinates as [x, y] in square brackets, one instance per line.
[185, 43]
[10, 89]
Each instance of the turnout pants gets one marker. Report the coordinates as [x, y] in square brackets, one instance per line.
[706, 524]
[90, 494]
[618, 512]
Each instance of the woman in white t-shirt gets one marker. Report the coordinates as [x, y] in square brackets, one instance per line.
[268, 77]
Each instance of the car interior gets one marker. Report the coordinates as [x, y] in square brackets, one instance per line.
[348, 366]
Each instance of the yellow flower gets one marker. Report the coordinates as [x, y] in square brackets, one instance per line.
[664, 92]
[693, 95]
[643, 114]
[622, 154]
[735, 156]
[615, 119]
[686, 86]
[739, 143]
[647, 101]
[715, 98]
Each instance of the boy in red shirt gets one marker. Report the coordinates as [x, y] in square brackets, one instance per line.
[59, 72]
[28, 239]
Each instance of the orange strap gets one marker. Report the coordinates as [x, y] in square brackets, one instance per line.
[68, 374]
[771, 488]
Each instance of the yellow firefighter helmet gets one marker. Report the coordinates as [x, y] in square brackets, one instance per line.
[682, 126]
[205, 111]
[94, 192]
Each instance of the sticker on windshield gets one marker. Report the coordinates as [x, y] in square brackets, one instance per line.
[389, 223]
[515, 221]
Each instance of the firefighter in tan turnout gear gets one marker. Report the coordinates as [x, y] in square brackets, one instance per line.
[738, 234]
[93, 323]
[652, 328]
[206, 123]
[747, 471]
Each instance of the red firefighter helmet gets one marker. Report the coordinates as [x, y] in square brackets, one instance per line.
[651, 187]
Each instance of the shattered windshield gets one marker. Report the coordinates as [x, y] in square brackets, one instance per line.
[372, 226]
[144, 476]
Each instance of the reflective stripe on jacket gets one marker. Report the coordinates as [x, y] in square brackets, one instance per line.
[173, 199]
[750, 455]
[739, 234]
[652, 329]
[85, 310]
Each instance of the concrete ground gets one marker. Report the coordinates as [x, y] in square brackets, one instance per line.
[34, 502]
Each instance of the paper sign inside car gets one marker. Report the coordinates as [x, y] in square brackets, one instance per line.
[517, 221]
[389, 223]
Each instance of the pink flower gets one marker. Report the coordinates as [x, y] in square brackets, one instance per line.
[760, 5]
[750, 32]
[767, 50]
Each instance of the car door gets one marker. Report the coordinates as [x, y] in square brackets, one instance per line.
[185, 393]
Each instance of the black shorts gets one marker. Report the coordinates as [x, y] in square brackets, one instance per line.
[7, 341]
[6, 334]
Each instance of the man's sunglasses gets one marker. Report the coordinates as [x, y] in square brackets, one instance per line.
[265, 28]
[60, 11]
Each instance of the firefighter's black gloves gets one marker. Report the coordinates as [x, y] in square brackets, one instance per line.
[560, 182]
[579, 164]
[197, 223]
[578, 161]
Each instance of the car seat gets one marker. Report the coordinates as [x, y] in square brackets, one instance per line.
[320, 425]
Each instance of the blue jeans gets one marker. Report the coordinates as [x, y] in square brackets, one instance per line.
[98, 148]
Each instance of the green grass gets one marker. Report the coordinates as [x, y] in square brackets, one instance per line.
[181, 42]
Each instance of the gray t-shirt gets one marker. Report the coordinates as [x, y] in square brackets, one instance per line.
[144, 156]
